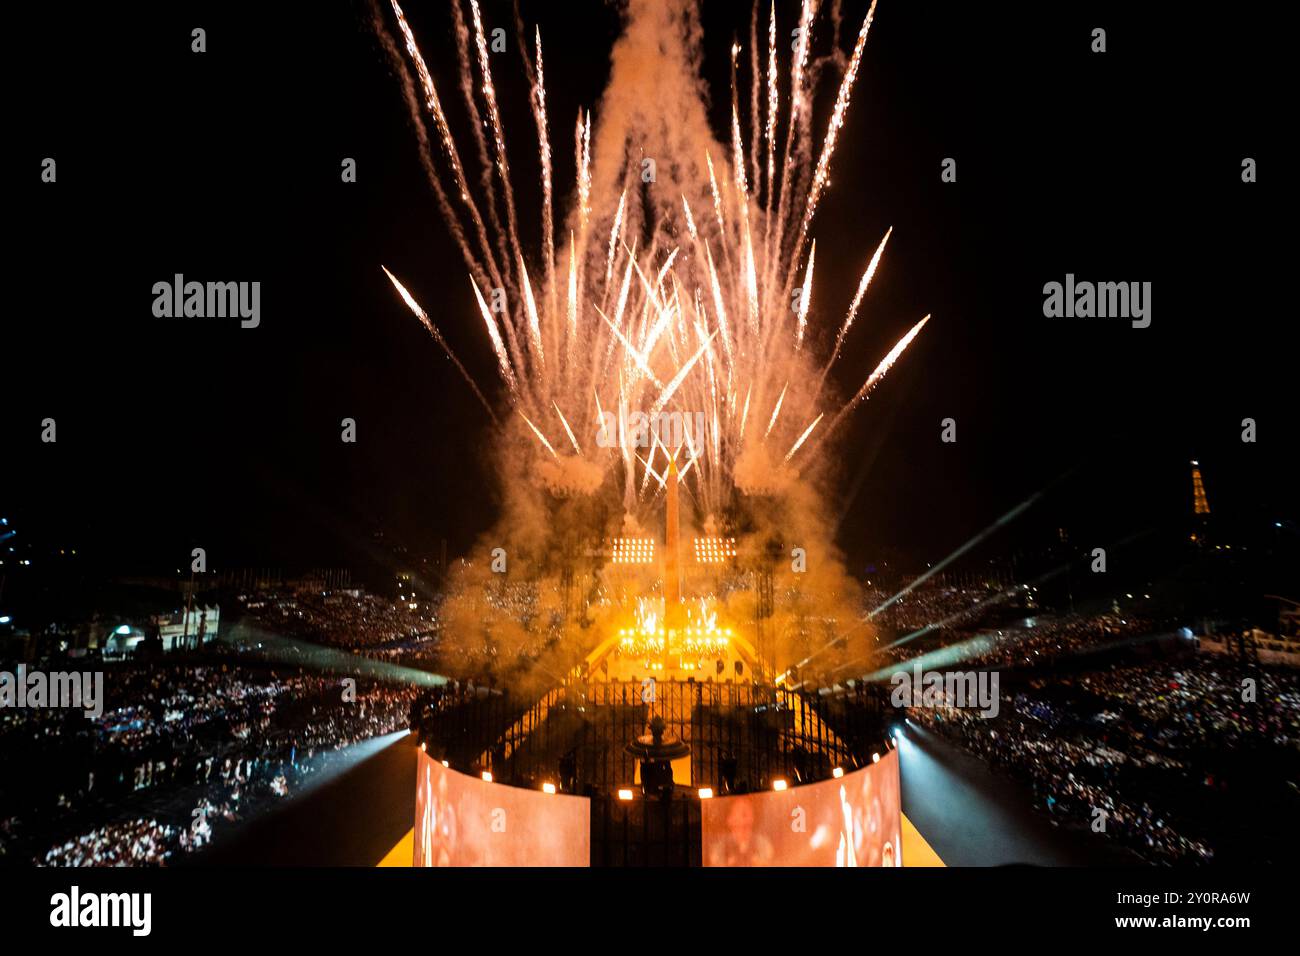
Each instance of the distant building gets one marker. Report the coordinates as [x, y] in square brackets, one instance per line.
[186, 629]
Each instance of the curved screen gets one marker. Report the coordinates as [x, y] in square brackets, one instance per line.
[464, 821]
[852, 821]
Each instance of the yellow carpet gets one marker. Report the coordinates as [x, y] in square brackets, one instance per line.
[404, 853]
[916, 852]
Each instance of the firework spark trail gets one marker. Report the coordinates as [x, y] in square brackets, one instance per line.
[540, 436]
[754, 136]
[534, 323]
[776, 411]
[571, 311]
[885, 365]
[567, 430]
[710, 325]
[498, 134]
[426, 152]
[619, 309]
[803, 438]
[461, 31]
[822, 175]
[582, 137]
[797, 68]
[613, 244]
[503, 359]
[433, 330]
[773, 97]
[853, 307]
[720, 217]
[544, 141]
[737, 141]
[805, 294]
[434, 105]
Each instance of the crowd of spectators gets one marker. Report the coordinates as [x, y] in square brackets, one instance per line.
[207, 739]
[927, 605]
[351, 618]
[140, 842]
[1129, 745]
[1040, 640]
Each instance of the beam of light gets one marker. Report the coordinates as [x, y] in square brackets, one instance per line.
[976, 608]
[1001, 522]
[938, 659]
[244, 637]
[433, 330]
[1010, 592]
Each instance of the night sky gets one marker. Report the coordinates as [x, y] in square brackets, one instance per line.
[172, 434]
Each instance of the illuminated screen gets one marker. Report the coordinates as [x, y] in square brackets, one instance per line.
[464, 821]
[852, 821]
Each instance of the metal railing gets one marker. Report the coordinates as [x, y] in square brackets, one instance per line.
[742, 735]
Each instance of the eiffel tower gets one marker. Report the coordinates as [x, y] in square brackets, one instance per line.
[1200, 506]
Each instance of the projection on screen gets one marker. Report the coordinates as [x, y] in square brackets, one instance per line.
[852, 821]
[464, 821]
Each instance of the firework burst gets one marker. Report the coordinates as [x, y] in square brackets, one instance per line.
[671, 294]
